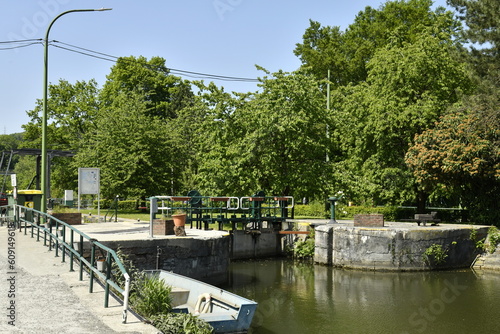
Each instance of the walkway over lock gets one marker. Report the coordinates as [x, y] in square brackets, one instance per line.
[249, 212]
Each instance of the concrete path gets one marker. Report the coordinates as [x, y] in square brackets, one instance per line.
[38, 294]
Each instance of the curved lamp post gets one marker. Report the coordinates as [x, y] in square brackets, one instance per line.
[44, 110]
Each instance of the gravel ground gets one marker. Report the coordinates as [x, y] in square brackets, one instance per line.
[50, 299]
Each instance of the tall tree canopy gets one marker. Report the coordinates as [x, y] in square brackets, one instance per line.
[133, 149]
[461, 156]
[274, 140]
[409, 85]
[164, 94]
[71, 111]
[346, 53]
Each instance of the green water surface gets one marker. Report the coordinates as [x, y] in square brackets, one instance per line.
[305, 298]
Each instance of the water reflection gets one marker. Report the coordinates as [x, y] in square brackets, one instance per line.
[303, 298]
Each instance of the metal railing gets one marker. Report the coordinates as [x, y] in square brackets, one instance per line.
[60, 236]
[204, 210]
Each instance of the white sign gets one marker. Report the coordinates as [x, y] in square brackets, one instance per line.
[13, 180]
[88, 181]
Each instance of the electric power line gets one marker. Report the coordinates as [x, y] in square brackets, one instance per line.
[108, 57]
[21, 41]
[26, 42]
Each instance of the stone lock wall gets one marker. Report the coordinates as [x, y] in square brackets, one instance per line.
[204, 259]
[397, 249]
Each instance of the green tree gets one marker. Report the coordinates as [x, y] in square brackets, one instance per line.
[163, 94]
[346, 53]
[71, 110]
[219, 129]
[71, 113]
[134, 150]
[408, 86]
[461, 156]
[274, 140]
[482, 21]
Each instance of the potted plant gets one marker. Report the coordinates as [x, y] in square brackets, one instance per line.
[179, 218]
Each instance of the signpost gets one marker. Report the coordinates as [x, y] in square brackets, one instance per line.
[89, 183]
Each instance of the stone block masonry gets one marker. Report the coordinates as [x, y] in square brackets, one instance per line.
[205, 259]
[394, 248]
[374, 220]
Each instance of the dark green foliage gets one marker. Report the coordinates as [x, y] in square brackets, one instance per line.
[493, 239]
[179, 323]
[315, 209]
[435, 255]
[125, 205]
[151, 296]
[304, 249]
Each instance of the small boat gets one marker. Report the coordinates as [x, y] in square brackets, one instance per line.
[223, 310]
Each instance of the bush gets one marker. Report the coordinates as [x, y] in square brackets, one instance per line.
[493, 239]
[151, 296]
[181, 323]
[304, 249]
[315, 209]
[126, 205]
[435, 254]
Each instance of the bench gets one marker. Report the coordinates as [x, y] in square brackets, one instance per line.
[424, 218]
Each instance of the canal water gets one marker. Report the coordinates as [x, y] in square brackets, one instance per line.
[304, 298]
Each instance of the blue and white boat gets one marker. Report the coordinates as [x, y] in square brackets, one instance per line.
[223, 310]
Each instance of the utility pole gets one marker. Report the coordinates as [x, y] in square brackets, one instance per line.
[327, 159]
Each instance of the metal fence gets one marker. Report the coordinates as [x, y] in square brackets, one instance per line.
[248, 212]
[67, 241]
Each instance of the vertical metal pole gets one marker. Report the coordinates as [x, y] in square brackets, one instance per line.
[44, 106]
[153, 209]
[57, 244]
[92, 263]
[63, 246]
[50, 236]
[80, 250]
[108, 275]
[71, 253]
[328, 109]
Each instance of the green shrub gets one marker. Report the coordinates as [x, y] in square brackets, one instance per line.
[493, 239]
[315, 209]
[151, 296]
[478, 243]
[435, 254]
[125, 205]
[181, 323]
[304, 249]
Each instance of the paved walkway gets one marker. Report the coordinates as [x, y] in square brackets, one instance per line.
[48, 298]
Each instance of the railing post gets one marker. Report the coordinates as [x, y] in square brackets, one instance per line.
[57, 242]
[80, 251]
[71, 251]
[50, 236]
[108, 275]
[63, 246]
[92, 263]
[25, 223]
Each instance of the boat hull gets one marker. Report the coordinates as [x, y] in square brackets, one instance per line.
[226, 312]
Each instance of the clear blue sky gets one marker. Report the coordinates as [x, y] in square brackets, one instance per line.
[222, 37]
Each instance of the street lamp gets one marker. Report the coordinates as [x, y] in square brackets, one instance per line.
[44, 110]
